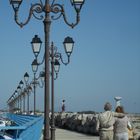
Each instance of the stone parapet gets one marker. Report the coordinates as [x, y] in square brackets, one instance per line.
[86, 123]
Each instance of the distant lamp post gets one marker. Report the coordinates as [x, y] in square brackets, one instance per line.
[48, 7]
[12, 102]
[41, 76]
[21, 84]
[55, 66]
[34, 69]
[18, 89]
[24, 97]
[19, 96]
[17, 101]
[26, 79]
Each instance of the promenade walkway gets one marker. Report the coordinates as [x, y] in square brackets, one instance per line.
[61, 134]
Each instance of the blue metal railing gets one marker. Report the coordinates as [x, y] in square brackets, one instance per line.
[24, 127]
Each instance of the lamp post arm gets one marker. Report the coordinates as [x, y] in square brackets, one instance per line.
[41, 85]
[56, 76]
[72, 25]
[40, 63]
[53, 74]
[57, 8]
[35, 8]
[59, 57]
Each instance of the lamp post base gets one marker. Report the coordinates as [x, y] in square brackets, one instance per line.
[53, 132]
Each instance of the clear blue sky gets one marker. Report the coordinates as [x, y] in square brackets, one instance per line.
[105, 62]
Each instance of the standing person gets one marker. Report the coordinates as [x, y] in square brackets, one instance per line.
[63, 106]
[121, 126]
[106, 121]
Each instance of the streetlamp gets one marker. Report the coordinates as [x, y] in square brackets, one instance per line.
[28, 88]
[55, 66]
[11, 104]
[19, 97]
[24, 97]
[16, 101]
[34, 69]
[21, 84]
[47, 8]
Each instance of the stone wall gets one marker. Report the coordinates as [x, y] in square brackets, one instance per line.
[86, 123]
[135, 119]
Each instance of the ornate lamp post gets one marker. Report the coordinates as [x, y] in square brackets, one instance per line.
[19, 91]
[16, 100]
[26, 79]
[55, 66]
[49, 7]
[21, 84]
[19, 98]
[10, 104]
[34, 69]
[24, 97]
